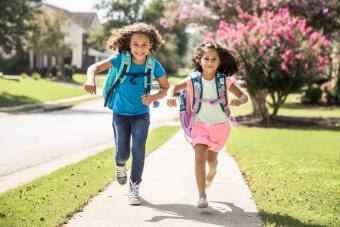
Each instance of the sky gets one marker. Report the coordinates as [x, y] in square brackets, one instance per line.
[77, 6]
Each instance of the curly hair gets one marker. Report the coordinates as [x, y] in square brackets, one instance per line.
[230, 62]
[121, 38]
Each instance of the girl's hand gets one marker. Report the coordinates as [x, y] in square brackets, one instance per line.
[90, 87]
[171, 101]
[147, 99]
[235, 102]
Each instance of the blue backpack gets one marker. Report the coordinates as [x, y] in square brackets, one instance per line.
[190, 106]
[117, 76]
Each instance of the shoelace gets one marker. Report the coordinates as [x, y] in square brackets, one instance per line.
[134, 190]
[121, 171]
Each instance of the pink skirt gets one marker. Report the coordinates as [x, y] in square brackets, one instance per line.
[215, 136]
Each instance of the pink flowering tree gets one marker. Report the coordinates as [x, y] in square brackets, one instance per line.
[320, 14]
[280, 53]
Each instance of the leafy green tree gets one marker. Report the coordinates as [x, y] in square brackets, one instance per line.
[48, 38]
[97, 38]
[124, 12]
[13, 17]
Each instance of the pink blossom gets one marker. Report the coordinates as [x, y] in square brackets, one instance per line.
[261, 51]
[278, 38]
[314, 37]
[302, 25]
[299, 56]
[284, 67]
[164, 23]
[209, 36]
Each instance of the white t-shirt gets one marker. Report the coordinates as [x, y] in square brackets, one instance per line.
[211, 114]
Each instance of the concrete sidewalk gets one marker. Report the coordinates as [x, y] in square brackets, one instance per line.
[170, 195]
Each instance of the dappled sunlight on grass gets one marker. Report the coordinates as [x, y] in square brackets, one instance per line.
[293, 173]
[8, 100]
[28, 90]
[81, 79]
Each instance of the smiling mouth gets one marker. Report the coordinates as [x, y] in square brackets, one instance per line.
[139, 54]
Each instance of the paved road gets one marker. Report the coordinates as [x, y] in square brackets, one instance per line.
[30, 139]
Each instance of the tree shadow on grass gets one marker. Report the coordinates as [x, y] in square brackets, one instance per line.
[308, 107]
[9, 100]
[291, 122]
[284, 220]
[313, 128]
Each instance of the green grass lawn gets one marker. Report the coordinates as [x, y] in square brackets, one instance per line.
[81, 79]
[294, 174]
[292, 109]
[28, 90]
[52, 199]
[179, 75]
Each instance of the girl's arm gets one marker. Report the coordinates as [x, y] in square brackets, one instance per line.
[164, 86]
[92, 71]
[242, 97]
[171, 100]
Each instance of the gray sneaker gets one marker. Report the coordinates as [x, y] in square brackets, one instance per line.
[134, 198]
[121, 174]
[202, 203]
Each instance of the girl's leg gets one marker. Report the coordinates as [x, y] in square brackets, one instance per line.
[139, 129]
[122, 134]
[212, 163]
[200, 159]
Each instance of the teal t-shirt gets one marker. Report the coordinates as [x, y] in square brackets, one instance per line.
[127, 98]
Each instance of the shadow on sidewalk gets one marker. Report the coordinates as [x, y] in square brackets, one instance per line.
[223, 214]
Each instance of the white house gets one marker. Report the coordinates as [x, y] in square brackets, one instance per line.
[80, 24]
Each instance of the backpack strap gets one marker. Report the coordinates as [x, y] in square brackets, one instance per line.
[197, 91]
[125, 64]
[150, 73]
[221, 87]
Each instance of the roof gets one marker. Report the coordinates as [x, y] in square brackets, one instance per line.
[83, 19]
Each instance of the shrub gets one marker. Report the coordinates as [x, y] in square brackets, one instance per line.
[36, 75]
[312, 95]
[333, 96]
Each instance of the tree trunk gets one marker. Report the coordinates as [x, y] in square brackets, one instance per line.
[260, 110]
[61, 67]
[49, 66]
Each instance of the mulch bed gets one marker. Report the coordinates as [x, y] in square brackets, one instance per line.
[286, 122]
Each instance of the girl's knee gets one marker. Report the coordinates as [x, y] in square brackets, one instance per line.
[200, 160]
[212, 160]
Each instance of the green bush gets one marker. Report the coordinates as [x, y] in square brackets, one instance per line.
[36, 75]
[14, 65]
[24, 76]
[69, 71]
[312, 95]
[333, 96]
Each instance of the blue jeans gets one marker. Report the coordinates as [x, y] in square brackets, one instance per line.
[125, 127]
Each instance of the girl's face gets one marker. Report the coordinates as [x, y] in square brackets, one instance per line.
[140, 46]
[210, 61]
